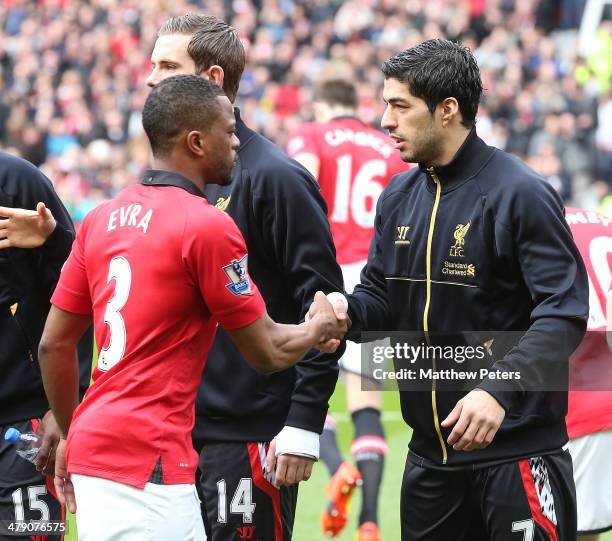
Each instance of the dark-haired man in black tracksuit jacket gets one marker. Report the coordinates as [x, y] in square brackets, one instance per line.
[33, 248]
[473, 240]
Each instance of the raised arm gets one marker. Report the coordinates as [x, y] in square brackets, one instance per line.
[48, 230]
[269, 347]
[23, 228]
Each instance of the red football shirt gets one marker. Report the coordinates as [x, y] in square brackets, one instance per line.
[591, 411]
[356, 164]
[158, 267]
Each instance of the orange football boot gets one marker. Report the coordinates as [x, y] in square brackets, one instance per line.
[368, 531]
[339, 489]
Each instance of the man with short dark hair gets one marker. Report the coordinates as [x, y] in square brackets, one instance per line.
[157, 268]
[486, 250]
[241, 416]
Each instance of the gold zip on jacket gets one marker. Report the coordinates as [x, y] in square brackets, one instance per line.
[13, 309]
[432, 223]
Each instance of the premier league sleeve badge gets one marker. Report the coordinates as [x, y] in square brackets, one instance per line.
[237, 271]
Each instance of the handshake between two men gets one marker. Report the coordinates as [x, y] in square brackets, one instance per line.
[329, 314]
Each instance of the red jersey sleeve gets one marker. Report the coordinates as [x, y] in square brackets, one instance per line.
[72, 293]
[303, 139]
[217, 260]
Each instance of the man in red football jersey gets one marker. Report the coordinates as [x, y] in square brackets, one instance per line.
[157, 268]
[589, 418]
[279, 210]
[353, 163]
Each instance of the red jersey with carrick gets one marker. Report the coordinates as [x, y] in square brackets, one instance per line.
[157, 267]
[356, 162]
[591, 364]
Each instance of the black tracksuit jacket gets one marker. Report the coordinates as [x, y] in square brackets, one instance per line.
[280, 212]
[27, 280]
[515, 269]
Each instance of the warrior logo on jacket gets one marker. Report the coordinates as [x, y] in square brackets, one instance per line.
[402, 231]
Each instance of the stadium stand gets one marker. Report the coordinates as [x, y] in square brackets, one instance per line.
[72, 79]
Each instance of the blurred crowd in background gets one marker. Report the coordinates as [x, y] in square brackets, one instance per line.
[72, 79]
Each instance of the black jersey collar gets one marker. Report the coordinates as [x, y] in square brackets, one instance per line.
[157, 177]
[243, 132]
[468, 160]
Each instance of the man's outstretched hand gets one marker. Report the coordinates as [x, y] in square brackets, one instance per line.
[329, 321]
[23, 228]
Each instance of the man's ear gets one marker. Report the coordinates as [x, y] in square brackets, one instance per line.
[449, 110]
[216, 74]
[195, 142]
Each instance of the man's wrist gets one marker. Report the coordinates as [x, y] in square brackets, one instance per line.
[297, 441]
[51, 230]
[56, 236]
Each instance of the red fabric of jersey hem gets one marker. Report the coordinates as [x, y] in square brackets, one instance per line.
[81, 469]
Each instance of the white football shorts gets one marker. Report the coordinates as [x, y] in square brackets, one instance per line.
[111, 511]
[593, 476]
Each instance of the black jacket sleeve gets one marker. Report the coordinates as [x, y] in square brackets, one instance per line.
[50, 257]
[368, 305]
[556, 278]
[54, 252]
[298, 233]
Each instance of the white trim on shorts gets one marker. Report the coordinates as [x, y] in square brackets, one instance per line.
[593, 477]
[111, 511]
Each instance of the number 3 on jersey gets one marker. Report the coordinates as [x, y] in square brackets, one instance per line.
[118, 270]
